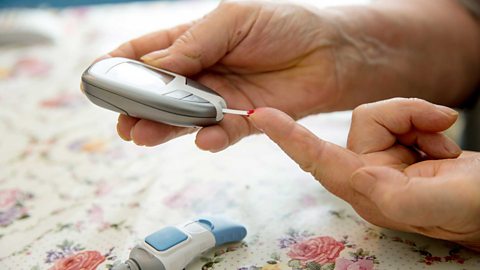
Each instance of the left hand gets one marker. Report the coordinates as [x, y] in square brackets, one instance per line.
[398, 172]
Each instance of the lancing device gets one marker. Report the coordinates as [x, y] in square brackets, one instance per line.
[173, 248]
[139, 90]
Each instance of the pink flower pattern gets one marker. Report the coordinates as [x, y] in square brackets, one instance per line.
[8, 198]
[344, 264]
[12, 206]
[322, 249]
[85, 260]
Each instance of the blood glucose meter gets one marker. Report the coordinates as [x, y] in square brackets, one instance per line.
[174, 247]
[139, 90]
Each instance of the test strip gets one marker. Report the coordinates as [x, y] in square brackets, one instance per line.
[238, 112]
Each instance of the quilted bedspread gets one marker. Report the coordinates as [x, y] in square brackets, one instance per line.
[74, 196]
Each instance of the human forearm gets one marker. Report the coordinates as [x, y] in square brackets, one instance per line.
[426, 49]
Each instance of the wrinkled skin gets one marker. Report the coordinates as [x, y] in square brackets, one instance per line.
[304, 60]
[399, 171]
[248, 62]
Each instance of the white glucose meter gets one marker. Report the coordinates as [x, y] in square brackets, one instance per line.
[139, 90]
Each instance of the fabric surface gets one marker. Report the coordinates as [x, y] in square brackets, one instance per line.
[74, 196]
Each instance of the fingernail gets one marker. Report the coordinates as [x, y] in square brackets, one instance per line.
[362, 182]
[453, 148]
[102, 58]
[218, 149]
[447, 110]
[131, 133]
[154, 55]
[121, 136]
[214, 150]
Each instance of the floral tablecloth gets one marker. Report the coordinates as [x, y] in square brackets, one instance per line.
[73, 195]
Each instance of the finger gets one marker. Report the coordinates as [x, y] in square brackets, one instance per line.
[150, 133]
[124, 126]
[206, 42]
[397, 156]
[435, 145]
[229, 131]
[417, 201]
[332, 165]
[375, 126]
[136, 48]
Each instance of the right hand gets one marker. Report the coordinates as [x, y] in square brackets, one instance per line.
[254, 54]
[399, 171]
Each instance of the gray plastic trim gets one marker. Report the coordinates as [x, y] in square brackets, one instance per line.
[140, 259]
[135, 101]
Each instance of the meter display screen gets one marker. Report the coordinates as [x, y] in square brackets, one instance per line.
[140, 76]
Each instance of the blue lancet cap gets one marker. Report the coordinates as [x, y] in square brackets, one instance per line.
[223, 229]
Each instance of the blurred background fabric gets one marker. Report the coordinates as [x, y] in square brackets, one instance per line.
[73, 195]
[60, 3]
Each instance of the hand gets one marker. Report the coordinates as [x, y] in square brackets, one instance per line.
[304, 61]
[252, 53]
[398, 172]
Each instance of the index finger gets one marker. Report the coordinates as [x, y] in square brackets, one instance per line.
[138, 47]
[331, 164]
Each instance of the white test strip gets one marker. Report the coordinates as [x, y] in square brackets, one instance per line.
[238, 112]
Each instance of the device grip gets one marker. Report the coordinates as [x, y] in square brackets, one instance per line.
[224, 230]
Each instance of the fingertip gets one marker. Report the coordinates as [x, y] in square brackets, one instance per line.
[447, 111]
[121, 134]
[436, 119]
[124, 126]
[452, 148]
[213, 139]
[178, 63]
[133, 137]
[448, 117]
[102, 58]
[268, 119]
[152, 57]
[435, 145]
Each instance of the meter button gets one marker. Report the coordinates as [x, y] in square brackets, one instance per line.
[178, 94]
[193, 98]
[166, 238]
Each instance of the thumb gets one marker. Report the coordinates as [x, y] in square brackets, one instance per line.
[206, 42]
[332, 165]
[412, 200]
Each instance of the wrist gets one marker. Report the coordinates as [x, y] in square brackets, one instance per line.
[405, 48]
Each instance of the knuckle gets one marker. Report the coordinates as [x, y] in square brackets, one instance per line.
[412, 103]
[312, 149]
[360, 111]
[309, 166]
[186, 44]
[315, 153]
[415, 100]
[234, 5]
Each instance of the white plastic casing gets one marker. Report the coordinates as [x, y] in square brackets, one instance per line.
[177, 257]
